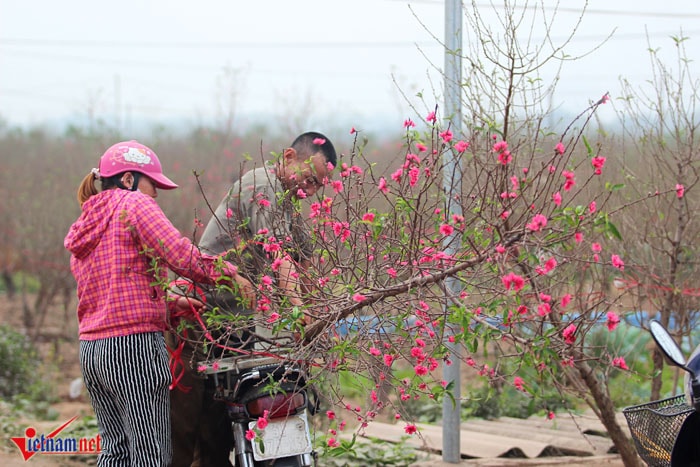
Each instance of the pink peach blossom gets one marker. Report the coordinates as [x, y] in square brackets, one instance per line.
[598, 162]
[358, 297]
[565, 300]
[680, 190]
[539, 221]
[613, 320]
[420, 370]
[274, 316]
[617, 262]
[446, 136]
[505, 158]
[446, 229]
[570, 182]
[461, 146]
[518, 383]
[569, 334]
[556, 197]
[382, 185]
[500, 146]
[620, 363]
[543, 309]
[514, 281]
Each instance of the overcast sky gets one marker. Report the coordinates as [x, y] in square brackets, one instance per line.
[127, 60]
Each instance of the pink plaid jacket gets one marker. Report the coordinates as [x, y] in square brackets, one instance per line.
[121, 245]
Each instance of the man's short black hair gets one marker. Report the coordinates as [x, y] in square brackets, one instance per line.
[304, 144]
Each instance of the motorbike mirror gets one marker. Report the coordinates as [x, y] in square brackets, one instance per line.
[665, 341]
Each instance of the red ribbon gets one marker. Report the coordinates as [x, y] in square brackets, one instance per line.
[177, 366]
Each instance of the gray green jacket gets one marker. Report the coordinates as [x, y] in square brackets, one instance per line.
[255, 209]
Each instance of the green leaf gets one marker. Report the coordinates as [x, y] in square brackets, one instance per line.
[614, 187]
[612, 230]
[589, 149]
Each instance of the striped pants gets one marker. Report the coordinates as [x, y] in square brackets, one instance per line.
[127, 378]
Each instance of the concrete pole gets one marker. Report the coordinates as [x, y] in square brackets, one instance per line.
[452, 180]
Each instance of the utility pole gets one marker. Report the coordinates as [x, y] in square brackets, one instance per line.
[452, 177]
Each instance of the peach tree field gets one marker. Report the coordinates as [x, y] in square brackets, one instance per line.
[554, 238]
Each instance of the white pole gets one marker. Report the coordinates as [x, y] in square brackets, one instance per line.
[452, 179]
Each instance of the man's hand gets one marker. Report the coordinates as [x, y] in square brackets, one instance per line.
[308, 319]
[246, 290]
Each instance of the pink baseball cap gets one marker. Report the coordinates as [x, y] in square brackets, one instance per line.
[132, 156]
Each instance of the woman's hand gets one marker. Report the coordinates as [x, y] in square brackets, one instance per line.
[185, 307]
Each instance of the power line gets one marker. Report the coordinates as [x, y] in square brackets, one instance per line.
[179, 65]
[80, 43]
[109, 61]
[25, 42]
[628, 13]
[587, 11]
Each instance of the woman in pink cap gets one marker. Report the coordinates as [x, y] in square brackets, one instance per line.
[122, 246]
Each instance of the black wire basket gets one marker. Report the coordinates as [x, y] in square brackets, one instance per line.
[655, 426]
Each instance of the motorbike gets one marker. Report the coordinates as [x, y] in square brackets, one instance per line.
[276, 390]
[666, 432]
[257, 379]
